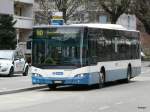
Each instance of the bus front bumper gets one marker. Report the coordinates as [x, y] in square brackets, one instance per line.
[61, 81]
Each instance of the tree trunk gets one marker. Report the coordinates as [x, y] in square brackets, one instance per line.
[113, 19]
[64, 15]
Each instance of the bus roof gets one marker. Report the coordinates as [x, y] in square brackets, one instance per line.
[89, 25]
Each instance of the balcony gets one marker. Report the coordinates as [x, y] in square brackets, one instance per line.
[25, 1]
[23, 22]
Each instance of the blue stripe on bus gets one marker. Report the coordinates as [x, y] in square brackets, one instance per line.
[112, 75]
[66, 81]
[88, 78]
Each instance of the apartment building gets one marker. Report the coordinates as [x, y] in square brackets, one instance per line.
[23, 13]
[93, 13]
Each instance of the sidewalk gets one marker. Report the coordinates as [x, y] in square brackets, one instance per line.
[146, 63]
[18, 83]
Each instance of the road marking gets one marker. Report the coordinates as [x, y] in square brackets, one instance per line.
[119, 103]
[104, 108]
[2, 89]
[146, 71]
[142, 78]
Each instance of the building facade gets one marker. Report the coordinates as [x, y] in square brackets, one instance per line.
[22, 11]
[95, 14]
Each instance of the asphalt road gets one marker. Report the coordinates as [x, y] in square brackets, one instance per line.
[16, 82]
[115, 97]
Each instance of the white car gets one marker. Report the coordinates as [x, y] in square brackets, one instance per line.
[13, 61]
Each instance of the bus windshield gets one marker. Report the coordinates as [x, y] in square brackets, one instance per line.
[58, 46]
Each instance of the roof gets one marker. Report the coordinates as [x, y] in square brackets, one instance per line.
[89, 25]
[7, 50]
[105, 26]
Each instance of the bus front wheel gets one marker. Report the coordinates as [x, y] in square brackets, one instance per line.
[101, 79]
[52, 87]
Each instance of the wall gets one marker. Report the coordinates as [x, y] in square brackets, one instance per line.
[6, 7]
[128, 21]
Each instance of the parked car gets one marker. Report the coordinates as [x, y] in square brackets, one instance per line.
[13, 61]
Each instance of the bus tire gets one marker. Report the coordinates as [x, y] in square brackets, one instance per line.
[101, 78]
[129, 73]
[52, 87]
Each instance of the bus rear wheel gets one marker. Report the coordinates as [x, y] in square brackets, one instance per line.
[52, 87]
[101, 79]
[129, 73]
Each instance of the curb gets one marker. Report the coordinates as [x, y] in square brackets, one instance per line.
[21, 90]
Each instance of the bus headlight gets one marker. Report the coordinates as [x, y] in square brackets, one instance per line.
[36, 75]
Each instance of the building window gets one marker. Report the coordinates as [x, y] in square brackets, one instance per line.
[103, 19]
[18, 11]
[129, 21]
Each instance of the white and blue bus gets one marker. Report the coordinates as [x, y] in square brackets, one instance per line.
[84, 54]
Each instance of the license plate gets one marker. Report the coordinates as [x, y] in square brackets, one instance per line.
[58, 73]
[58, 82]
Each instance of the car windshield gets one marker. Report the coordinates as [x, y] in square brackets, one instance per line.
[6, 55]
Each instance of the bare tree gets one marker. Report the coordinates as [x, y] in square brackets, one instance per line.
[141, 8]
[44, 11]
[68, 7]
[115, 8]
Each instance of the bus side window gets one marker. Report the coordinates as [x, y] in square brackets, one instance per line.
[92, 43]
